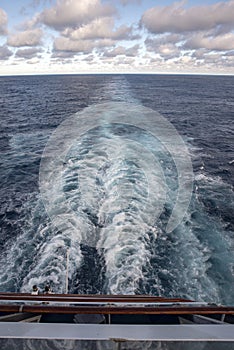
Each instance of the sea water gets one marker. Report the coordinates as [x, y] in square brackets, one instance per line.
[105, 193]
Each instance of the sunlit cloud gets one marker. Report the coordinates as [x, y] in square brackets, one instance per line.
[73, 13]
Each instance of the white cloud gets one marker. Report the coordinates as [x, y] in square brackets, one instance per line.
[5, 53]
[176, 18]
[3, 22]
[26, 38]
[74, 13]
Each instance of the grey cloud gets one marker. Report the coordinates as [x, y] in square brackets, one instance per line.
[153, 43]
[229, 62]
[99, 28]
[33, 60]
[126, 2]
[220, 43]
[164, 45]
[199, 53]
[65, 44]
[168, 51]
[28, 53]
[127, 62]
[73, 13]
[80, 46]
[3, 22]
[89, 58]
[121, 50]
[217, 60]
[63, 54]
[97, 34]
[230, 53]
[31, 37]
[177, 19]
[132, 51]
[5, 53]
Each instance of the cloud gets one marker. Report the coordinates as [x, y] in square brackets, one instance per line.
[223, 42]
[80, 46]
[176, 18]
[199, 53]
[98, 34]
[5, 53]
[99, 28]
[73, 13]
[84, 26]
[31, 37]
[89, 58]
[152, 44]
[121, 50]
[28, 53]
[168, 51]
[62, 54]
[65, 44]
[164, 45]
[33, 60]
[127, 2]
[3, 22]
[230, 53]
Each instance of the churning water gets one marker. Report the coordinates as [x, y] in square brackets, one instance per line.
[135, 184]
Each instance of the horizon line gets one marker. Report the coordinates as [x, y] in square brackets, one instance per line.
[116, 73]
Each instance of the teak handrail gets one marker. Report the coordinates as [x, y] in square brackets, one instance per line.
[130, 304]
[163, 310]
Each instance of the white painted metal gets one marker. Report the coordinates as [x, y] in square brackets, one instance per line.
[118, 332]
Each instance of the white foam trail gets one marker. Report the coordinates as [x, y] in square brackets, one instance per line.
[38, 255]
[141, 117]
[109, 160]
[135, 197]
[50, 266]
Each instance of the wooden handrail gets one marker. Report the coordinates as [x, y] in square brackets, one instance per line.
[108, 309]
[90, 298]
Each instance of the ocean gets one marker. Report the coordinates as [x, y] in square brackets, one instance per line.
[129, 178]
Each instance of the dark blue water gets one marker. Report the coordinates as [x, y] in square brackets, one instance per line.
[114, 246]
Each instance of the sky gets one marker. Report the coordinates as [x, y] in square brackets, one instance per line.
[116, 36]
